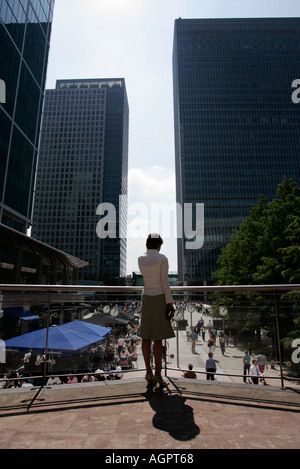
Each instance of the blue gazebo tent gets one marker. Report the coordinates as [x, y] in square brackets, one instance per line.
[67, 338]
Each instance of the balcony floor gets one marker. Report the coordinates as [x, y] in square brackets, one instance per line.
[188, 415]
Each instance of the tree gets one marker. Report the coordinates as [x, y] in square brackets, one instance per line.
[266, 248]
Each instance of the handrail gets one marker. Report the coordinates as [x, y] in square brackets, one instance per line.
[184, 288]
[50, 289]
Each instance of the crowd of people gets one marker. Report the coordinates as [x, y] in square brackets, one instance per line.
[254, 372]
[106, 361]
[14, 380]
[253, 368]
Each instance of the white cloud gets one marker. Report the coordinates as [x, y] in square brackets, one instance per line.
[154, 181]
[151, 201]
[151, 208]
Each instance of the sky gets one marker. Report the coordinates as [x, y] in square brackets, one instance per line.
[133, 39]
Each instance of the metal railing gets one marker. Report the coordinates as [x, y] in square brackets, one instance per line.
[259, 317]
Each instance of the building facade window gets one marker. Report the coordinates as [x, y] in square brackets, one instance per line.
[236, 127]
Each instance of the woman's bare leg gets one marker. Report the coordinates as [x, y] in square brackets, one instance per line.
[146, 349]
[157, 352]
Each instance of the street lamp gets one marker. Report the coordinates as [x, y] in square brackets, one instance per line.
[113, 312]
[191, 309]
[177, 317]
[223, 311]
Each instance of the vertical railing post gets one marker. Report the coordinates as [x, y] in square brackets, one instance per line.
[46, 345]
[278, 339]
[166, 354]
[177, 343]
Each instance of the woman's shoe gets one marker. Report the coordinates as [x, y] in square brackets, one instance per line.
[149, 378]
[160, 381]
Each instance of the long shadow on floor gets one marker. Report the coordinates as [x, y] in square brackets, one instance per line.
[172, 415]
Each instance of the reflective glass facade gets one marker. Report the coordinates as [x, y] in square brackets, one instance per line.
[83, 162]
[25, 28]
[236, 126]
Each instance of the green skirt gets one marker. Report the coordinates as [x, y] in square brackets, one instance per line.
[154, 322]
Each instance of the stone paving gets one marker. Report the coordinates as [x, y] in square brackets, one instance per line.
[188, 415]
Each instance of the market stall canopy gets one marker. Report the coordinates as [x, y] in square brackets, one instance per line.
[106, 319]
[70, 337]
[21, 313]
[82, 326]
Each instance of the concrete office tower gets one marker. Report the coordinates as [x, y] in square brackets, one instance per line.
[236, 123]
[83, 162]
[25, 28]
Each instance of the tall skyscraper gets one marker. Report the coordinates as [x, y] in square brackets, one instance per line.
[25, 28]
[236, 124]
[83, 162]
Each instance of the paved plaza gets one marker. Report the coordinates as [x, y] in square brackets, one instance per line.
[125, 415]
[189, 415]
[229, 365]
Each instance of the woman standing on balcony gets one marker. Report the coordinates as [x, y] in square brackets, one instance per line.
[157, 301]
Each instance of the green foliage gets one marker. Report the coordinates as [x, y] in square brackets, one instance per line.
[266, 251]
[266, 248]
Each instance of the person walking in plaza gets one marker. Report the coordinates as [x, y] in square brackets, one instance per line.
[254, 372]
[211, 344]
[210, 367]
[203, 333]
[193, 337]
[246, 365]
[188, 331]
[120, 344]
[157, 306]
[262, 364]
[227, 333]
[222, 342]
[209, 326]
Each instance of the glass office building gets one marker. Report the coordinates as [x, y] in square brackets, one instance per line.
[236, 125]
[25, 28]
[83, 162]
